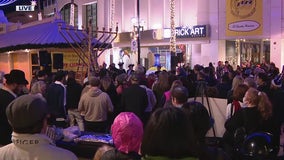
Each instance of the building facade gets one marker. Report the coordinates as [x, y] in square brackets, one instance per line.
[239, 31]
[238, 45]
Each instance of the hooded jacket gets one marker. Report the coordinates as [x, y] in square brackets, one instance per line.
[94, 105]
[33, 147]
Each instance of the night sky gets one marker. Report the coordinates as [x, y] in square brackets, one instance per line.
[12, 7]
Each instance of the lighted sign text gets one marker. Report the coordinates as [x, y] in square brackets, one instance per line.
[187, 32]
[194, 32]
[25, 8]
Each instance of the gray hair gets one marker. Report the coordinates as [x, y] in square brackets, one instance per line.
[38, 87]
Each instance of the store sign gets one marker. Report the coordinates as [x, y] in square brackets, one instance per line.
[194, 32]
[134, 46]
[188, 32]
[244, 18]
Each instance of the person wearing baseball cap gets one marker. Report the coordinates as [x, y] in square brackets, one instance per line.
[14, 83]
[28, 115]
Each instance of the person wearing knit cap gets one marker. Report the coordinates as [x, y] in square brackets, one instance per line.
[276, 98]
[13, 86]
[127, 133]
[28, 117]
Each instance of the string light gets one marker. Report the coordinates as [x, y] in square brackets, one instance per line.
[6, 2]
[173, 29]
[112, 13]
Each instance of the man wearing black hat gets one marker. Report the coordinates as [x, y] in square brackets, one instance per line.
[130, 69]
[14, 84]
[120, 69]
[28, 117]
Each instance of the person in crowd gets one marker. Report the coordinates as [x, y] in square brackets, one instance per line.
[151, 78]
[141, 72]
[113, 71]
[160, 86]
[28, 117]
[130, 70]
[41, 75]
[166, 98]
[127, 134]
[179, 96]
[56, 100]
[39, 89]
[151, 103]
[121, 85]
[273, 70]
[108, 87]
[276, 97]
[202, 88]
[262, 83]
[255, 117]
[134, 98]
[212, 68]
[103, 70]
[199, 117]
[228, 67]
[250, 82]
[73, 95]
[14, 83]
[159, 67]
[236, 81]
[224, 86]
[237, 102]
[121, 69]
[94, 105]
[169, 135]
[219, 70]
[34, 77]
[101, 151]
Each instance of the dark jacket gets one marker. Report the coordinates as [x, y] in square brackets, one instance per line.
[73, 94]
[5, 128]
[251, 120]
[134, 99]
[276, 98]
[55, 100]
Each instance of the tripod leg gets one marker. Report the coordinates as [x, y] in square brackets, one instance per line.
[210, 114]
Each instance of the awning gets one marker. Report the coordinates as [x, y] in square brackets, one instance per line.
[45, 35]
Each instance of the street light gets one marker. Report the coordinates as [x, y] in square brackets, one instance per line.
[138, 26]
[138, 31]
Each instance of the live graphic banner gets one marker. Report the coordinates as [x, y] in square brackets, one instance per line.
[244, 17]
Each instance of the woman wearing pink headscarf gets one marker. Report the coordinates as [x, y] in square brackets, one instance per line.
[127, 133]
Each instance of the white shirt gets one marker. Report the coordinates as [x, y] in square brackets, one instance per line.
[33, 147]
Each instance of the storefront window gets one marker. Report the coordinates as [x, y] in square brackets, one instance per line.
[242, 51]
[91, 14]
[65, 13]
[165, 58]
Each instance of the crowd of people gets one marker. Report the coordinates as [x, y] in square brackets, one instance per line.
[149, 116]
